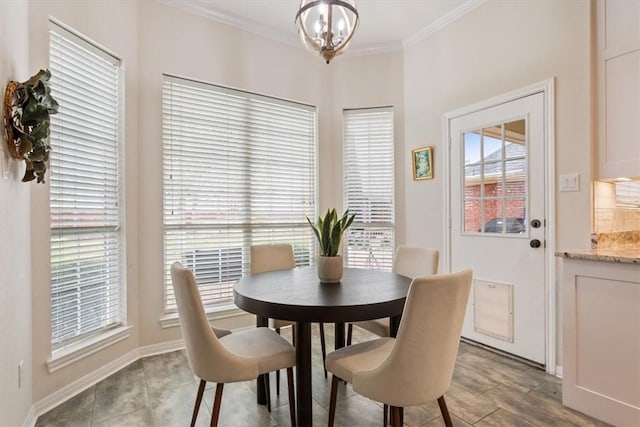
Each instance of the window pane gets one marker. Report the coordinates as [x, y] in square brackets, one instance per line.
[85, 244]
[472, 180]
[515, 176]
[471, 148]
[239, 169]
[493, 179]
[493, 216]
[515, 139]
[472, 219]
[369, 187]
[492, 143]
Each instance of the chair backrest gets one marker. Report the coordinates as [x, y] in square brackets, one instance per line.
[271, 258]
[420, 366]
[208, 358]
[411, 261]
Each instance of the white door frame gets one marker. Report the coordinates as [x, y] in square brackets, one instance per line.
[547, 87]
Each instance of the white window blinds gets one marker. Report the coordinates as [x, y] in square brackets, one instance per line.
[239, 169]
[368, 187]
[86, 241]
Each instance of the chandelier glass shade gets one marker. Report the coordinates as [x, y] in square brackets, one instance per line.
[327, 26]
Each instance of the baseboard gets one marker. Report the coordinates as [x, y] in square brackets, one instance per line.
[30, 420]
[67, 392]
[80, 385]
[161, 348]
[559, 371]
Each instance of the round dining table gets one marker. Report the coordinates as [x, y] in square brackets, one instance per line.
[298, 295]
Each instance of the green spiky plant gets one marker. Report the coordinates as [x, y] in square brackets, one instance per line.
[329, 231]
[28, 107]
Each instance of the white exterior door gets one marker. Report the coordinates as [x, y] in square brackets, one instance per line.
[497, 206]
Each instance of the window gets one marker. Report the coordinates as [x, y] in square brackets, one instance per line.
[495, 179]
[239, 169]
[368, 187]
[86, 235]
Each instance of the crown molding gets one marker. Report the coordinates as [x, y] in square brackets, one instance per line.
[243, 24]
[386, 47]
[443, 21]
[258, 29]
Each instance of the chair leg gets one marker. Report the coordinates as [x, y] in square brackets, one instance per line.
[277, 372]
[349, 333]
[385, 412]
[395, 417]
[445, 412]
[196, 408]
[293, 335]
[292, 397]
[216, 405]
[267, 391]
[324, 349]
[332, 400]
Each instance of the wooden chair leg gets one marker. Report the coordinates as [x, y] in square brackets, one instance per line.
[216, 405]
[385, 412]
[277, 372]
[395, 417]
[267, 390]
[349, 333]
[196, 408]
[293, 335]
[292, 398]
[324, 349]
[445, 412]
[332, 400]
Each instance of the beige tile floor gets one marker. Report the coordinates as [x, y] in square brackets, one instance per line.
[487, 390]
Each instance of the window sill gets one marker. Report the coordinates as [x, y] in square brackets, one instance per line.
[171, 320]
[78, 351]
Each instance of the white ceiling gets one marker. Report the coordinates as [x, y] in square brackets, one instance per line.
[385, 25]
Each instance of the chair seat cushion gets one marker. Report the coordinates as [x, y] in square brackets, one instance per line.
[380, 327]
[271, 350]
[358, 357]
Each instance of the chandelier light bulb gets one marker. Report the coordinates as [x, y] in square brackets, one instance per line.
[326, 27]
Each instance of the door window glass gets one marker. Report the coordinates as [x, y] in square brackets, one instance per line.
[495, 179]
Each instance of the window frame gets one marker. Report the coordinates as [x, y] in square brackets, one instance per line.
[369, 227]
[248, 229]
[75, 348]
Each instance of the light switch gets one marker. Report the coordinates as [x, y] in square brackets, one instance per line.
[570, 182]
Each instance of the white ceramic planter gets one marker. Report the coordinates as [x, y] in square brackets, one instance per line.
[330, 269]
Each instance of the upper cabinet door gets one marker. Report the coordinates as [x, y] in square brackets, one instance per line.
[618, 55]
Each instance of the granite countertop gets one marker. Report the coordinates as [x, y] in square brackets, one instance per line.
[626, 255]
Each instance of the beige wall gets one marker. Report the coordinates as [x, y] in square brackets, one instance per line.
[15, 232]
[499, 47]
[112, 25]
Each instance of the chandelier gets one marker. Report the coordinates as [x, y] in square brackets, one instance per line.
[327, 26]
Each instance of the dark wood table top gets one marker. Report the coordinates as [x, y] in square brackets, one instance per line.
[298, 295]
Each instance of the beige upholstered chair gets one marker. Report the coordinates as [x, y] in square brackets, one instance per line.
[417, 366]
[410, 262]
[273, 258]
[228, 357]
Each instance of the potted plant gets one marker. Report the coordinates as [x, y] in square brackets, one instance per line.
[27, 107]
[329, 231]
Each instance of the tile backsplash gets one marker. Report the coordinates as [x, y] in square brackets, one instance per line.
[616, 206]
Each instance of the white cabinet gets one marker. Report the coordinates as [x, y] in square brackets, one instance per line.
[601, 340]
[618, 58]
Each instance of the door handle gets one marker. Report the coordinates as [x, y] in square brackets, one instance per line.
[535, 243]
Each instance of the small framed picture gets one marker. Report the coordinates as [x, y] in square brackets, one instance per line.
[422, 160]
